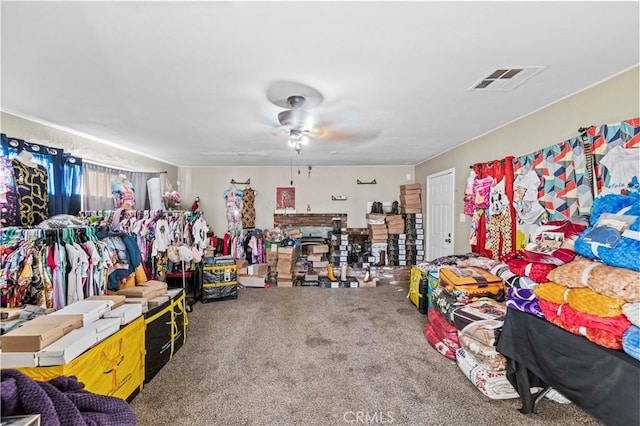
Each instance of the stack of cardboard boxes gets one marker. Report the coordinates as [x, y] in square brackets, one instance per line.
[411, 207]
[411, 198]
[253, 275]
[414, 229]
[396, 240]
[318, 261]
[395, 224]
[378, 234]
[287, 257]
[317, 255]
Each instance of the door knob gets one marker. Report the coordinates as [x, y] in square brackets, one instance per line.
[447, 240]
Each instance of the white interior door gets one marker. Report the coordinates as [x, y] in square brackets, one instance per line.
[439, 220]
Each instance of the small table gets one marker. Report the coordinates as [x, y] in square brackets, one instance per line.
[603, 382]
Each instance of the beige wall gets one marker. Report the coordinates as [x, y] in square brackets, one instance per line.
[612, 101]
[31, 131]
[209, 183]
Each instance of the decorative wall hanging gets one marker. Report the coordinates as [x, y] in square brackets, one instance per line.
[565, 189]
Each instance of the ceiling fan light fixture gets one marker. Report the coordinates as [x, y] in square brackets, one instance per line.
[296, 101]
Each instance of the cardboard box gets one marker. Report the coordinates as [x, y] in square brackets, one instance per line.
[314, 257]
[157, 301]
[39, 332]
[318, 248]
[259, 269]
[91, 310]
[411, 186]
[285, 283]
[286, 250]
[311, 277]
[251, 280]
[365, 284]
[68, 347]
[321, 264]
[148, 290]
[127, 313]
[144, 303]
[105, 327]
[241, 263]
[7, 314]
[117, 300]
[287, 276]
[18, 360]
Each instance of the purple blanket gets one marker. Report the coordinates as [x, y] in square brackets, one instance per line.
[61, 401]
[523, 299]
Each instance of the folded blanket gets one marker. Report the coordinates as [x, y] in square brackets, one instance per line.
[519, 266]
[632, 311]
[510, 279]
[444, 348]
[571, 229]
[631, 342]
[626, 252]
[552, 292]
[61, 401]
[611, 281]
[588, 301]
[492, 384]
[605, 334]
[524, 300]
[486, 355]
[445, 302]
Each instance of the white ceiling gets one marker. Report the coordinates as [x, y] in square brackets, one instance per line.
[186, 82]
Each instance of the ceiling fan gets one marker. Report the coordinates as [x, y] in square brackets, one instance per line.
[305, 119]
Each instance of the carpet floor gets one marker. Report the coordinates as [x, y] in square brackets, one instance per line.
[316, 356]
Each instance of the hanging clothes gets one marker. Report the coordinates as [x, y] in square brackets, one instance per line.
[625, 134]
[503, 225]
[31, 187]
[8, 195]
[248, 209]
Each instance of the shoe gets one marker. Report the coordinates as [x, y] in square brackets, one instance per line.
[343, 273]
[330, 273]
[367, 275]
[383, 260]
[394, 208]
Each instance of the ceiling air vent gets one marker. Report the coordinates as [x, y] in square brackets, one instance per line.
[506, 78]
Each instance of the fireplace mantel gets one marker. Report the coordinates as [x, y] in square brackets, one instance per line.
[308, 219]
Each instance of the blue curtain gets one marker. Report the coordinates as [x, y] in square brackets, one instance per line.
[72, 188]
[64, 180]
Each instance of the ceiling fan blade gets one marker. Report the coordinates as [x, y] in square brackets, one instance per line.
[346, 127]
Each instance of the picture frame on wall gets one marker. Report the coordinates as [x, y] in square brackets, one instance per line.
[285, 200]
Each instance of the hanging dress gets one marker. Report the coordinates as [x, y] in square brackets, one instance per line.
[248, 209]
[33, 197]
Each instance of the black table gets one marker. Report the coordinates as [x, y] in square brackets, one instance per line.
[603, 382]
